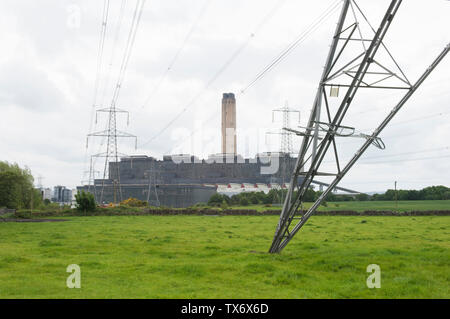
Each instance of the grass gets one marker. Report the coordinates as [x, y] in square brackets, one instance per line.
[403, 206]
[225, 257]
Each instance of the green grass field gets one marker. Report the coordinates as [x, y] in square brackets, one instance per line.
[402, 206]
[225, 257]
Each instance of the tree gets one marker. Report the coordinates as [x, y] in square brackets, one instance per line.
[243, 201]
[85, 202]
[16, 187]
[254, 198]
[217, 200]
[310, 195]
[9, 190]
[362, 197]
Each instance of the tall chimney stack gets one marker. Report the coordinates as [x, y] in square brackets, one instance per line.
[229, 124]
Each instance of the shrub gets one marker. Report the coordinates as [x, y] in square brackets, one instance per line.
[224, 205]
[217, 200]
[133, 202]
[85, 202]
[201, 204]
[25, 214]
[243, 202]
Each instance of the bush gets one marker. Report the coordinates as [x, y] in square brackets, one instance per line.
[24, 214]
[243, 202]
[133, 202]
[362, 197]
[85, 202]
[217, 200]
[224, 205]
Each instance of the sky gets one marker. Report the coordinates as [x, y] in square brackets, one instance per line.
[186, 54]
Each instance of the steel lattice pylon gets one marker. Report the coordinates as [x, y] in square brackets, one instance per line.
[286, 132]
[285, 135]
[111, 154]
[153, 179]
[362, 70]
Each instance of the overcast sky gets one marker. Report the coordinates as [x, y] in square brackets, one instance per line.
[48, 67]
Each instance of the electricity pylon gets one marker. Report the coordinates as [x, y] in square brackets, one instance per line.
[285, 135]
[286, 146]
[362, 70]
[152, 180]
[111, 134]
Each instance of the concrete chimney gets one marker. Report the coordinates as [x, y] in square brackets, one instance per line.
[229, 124]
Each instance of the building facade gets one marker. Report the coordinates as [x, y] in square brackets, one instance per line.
[62, 195]
[184, 180]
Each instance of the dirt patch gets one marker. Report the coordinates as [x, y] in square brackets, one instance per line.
[18, 220]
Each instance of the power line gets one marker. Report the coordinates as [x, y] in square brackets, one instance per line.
[101, 44]
[401, 154]
[408, 160]
[178, 52]
[409, 153]
[222, 69]
[128, 48]
[416, 119]
[302, 37]
[100, 57]
[403, 122]
[111, 133]
[389, 96]
[116, 38]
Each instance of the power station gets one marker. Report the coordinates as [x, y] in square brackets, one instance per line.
[182, 180]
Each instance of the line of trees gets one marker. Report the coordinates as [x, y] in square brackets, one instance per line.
[16, 187]
[427, 193]
[275, 196]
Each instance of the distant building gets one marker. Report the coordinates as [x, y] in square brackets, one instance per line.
[46, 193]
[74, 200]
[62, 195]
[74, 192]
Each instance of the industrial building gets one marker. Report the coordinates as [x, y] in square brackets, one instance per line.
[183, 180]
[182, 184]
